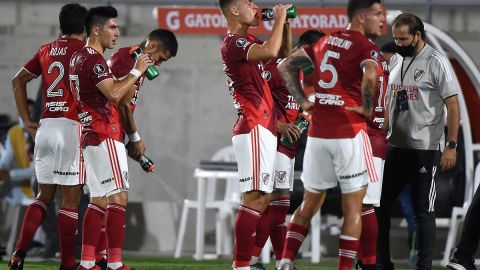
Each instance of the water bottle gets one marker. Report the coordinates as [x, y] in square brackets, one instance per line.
[302, 123]
[146, 163]
[307, 70]
[267, 13]
[151, 72]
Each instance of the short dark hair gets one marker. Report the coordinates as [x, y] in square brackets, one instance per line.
[356, 5]
[166, 38]
[224, 5]
[389, 47]
[413, 22]
[97, 16]
[309, 37]
[71, 18]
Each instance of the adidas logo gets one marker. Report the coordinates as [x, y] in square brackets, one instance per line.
[423, 170]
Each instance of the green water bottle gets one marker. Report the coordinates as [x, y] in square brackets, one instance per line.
[307, 70]
[151, 72]
[302, 123]
[267, 13]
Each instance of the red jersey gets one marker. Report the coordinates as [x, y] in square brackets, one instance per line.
[338, 60]
[52, 62]
[376, 133]
[98, 115]
[286, 107]
[121, 63]
[249, 90]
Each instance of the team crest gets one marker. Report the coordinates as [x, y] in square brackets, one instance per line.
[375, 55]
[125, 176]
[242, 43]
[99, 69]
[417, 75]
[266, 75]
[265, 178]
[280, 176]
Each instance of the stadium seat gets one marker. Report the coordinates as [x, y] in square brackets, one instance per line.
[226, 208]
[458, 214]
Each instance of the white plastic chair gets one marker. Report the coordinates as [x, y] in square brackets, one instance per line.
[225, 206]
[458, 214]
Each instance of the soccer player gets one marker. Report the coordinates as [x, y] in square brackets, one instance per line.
[57, 152]
[272, 222]
[338, 148]
[103, 149]
[161, 45]
[254, 134]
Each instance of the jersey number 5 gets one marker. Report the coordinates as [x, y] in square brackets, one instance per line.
[324, 66]
[51, 91]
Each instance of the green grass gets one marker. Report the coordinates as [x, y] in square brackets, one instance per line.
[168, 263]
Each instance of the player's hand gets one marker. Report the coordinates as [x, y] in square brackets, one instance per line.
[31, 127]
[280, 11]
[367, 113]
[289, 129]
[143, 62]
[136, 149]
[152, 169]
[307, 106]
[449, 158]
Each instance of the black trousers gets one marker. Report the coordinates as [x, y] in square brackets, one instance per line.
[417, 167]
[470, 233]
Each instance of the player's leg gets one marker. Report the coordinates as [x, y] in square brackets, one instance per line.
[32, 220]
[255, 153]
[67, 224]
[368, 239]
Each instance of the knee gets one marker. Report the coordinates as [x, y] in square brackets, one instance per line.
[70, 202]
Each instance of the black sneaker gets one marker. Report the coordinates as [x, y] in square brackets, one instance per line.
[385, 266]
[458, 262]
[360, 266]
[257, 266]
[102, 264]
[16, 261]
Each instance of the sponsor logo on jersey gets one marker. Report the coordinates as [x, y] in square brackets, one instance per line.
[242, 43]
[85, 118]
[246, 179]
[100, 70]
[65, 173]
[280, 176]
[417, 75]
[412, 90]
[57, 106]
[329, 99]
[378, 120]
[265, 178]
[103, 182]
[349, 176]
[267, 75]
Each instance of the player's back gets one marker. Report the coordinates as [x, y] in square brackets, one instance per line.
[338, 58]
[52, 62]
[98, 115]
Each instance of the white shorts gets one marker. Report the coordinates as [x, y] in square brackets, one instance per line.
[57, 152]
[284, 172]
[374, 189]
[107, 169]
[255, 153]
[328, 161]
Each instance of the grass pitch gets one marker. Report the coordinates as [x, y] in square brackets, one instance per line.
[168, 263]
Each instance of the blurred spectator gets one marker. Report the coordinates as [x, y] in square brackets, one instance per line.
[388, 50]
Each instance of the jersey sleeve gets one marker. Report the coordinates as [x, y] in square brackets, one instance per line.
[441, 72]
[118, 66]
[368, 51]
[98, 69]
[33, 66]
[238, 48]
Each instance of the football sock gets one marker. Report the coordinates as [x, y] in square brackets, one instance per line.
[67, 224]
[262, 232]
[101, 248]
[245, 227]
[115, 230]
[295, 235]
[92, 224]
[31, 221]
[278, 229]
[348, 247]
[368, 239]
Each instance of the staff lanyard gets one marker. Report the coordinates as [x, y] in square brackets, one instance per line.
[402, 74]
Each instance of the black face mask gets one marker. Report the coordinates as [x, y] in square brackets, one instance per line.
[406, 51]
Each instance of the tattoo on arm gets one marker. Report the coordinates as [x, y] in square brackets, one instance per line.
[289, 74]
[367, 99]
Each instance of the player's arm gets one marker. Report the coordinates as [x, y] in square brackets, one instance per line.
[115, 90]
[286, 47]
[289, 69]
[449, 155]
[270, 48]
[19, 84]
[135, 146]
[368, 87]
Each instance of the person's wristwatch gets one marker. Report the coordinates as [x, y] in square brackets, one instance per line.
[451, 144]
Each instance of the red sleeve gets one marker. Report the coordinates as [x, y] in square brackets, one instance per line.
[238, 48]
[98, 69]
[119, 67]
[33, 66]
[369, 51]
